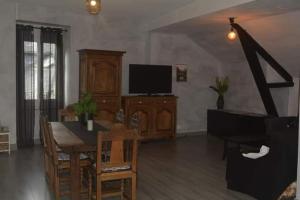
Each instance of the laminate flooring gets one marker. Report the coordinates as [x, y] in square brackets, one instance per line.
[188, 168]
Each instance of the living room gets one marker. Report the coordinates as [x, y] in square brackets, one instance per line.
[172, 32]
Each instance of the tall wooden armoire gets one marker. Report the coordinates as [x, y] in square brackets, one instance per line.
[100, 74]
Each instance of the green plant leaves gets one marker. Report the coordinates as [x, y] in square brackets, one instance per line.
[222, 85]
[85, 105]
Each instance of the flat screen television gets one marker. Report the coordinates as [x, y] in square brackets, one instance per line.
[150, 79]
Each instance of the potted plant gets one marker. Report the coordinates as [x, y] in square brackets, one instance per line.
[85, 108]
[221, 88]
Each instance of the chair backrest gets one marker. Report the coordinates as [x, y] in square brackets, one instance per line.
[50, 143]
[116, 148]
[67, 114]
[45, 133]
[42, 129]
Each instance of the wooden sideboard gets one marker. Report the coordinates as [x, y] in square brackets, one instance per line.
[100, 74]
[157, 115]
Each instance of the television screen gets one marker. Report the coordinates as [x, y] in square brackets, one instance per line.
[150, 79]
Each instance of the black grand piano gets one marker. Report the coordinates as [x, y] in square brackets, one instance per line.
[237, 127]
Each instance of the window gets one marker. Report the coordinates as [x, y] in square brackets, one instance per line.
[32, 78]
[49, 79]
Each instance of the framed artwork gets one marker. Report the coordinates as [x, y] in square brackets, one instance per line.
[181, 72]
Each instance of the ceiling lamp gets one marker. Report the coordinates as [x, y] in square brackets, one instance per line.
[93, 6]
[232, 34]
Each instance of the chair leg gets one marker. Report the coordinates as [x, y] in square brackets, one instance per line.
[99, 189]
[56, 185]
[133, 187]
[46, 167]
[122, 189]
[81, 179]
[51, 176]
[90, 190]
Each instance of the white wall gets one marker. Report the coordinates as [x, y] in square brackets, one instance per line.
[195, 96]
[7, 68]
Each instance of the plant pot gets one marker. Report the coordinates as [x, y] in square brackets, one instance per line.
[220, 102]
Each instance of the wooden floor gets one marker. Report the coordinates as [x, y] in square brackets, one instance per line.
[189, 168]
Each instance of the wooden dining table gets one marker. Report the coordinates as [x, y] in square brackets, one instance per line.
[74, 139]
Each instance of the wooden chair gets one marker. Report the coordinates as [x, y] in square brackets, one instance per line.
[47, 151]
[59, 167]
[116, 163]
[67, 114]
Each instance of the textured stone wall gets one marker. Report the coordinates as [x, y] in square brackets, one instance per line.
[195, 96]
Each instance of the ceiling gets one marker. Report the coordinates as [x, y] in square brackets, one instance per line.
[219, 20]
[117, 9]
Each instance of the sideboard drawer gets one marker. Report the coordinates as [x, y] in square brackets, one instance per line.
[166, 101]
[139, 101]
[106, 100]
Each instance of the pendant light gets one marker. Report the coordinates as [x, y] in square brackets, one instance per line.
[232, 34]
[93, 6]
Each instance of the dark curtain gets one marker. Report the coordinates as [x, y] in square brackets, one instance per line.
[25, 66]
[51, 73]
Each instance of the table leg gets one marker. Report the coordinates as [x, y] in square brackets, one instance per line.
[75, 175]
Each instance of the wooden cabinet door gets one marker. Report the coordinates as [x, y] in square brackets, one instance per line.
[104, 76]
[83, 81]
[164, 119]
[144, 114]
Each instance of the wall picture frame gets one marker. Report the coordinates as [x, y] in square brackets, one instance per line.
[181, 72]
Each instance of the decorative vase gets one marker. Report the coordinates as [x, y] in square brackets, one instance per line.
[220, 102]
[84, 117]
[90, 125]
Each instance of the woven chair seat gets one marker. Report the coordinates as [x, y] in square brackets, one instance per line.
[66, 157]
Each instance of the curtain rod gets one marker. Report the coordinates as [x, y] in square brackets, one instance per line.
[35, 27]
[40, 27]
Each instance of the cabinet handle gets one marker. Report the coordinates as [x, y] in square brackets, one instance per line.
[103, 101]
[140, 102]
[165, 101]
